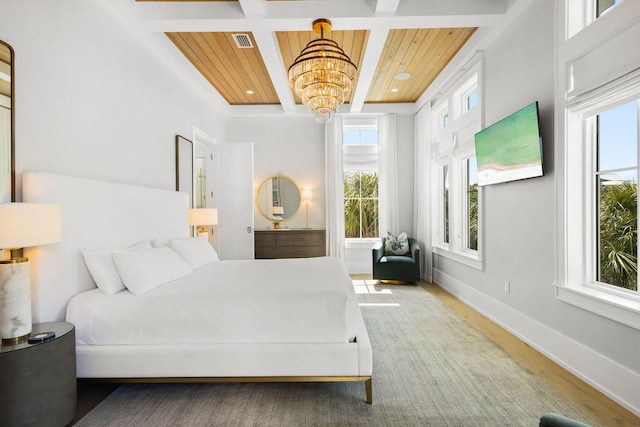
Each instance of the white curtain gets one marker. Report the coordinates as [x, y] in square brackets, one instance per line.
[422, 191]
[335, 188]
[388, 176]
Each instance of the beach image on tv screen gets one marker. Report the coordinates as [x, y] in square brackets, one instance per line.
[510, 149]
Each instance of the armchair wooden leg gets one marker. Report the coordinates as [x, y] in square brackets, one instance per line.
[369, 391]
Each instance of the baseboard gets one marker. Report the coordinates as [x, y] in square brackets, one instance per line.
[605, 375]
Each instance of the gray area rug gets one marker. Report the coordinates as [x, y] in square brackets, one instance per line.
[430, 369]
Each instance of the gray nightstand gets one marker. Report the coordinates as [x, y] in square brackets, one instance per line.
[38, 381]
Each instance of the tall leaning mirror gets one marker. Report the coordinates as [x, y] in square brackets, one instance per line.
[7, 121]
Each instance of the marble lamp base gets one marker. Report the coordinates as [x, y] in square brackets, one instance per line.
[15, 300]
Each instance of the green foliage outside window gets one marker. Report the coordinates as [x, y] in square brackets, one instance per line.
[361, 205]
[473, 217]
[619, 235]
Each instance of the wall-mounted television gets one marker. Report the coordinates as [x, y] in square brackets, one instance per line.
[510, 149]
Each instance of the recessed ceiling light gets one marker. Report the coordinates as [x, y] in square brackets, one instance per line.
[250, 92]
[395, 89]
[402, 76]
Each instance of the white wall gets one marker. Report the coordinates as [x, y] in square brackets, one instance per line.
[92, 99]
[519, 226]
[294, 147]
[290, 146]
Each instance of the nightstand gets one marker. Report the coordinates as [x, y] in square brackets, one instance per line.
[38, 381]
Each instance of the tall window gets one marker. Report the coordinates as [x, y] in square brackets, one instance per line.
[471, 205]
[361, 205]
[603, 6]
[616, 176]
[360, 159]
[456, 222]
[445, 203]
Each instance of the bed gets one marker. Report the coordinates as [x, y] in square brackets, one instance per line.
[237, 320]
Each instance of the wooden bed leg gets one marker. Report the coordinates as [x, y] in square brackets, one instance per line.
[369, 391]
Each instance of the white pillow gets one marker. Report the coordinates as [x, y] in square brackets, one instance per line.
[194, 250]
[146, 269]
[103, 270]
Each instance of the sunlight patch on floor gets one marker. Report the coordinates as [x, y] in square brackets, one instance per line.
[368, 287]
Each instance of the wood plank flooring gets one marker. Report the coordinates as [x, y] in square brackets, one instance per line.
[594, 403]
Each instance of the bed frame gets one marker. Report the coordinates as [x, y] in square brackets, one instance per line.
[100, 214]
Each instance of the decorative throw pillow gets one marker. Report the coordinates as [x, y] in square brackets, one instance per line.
[103, 270]
[144, 270]
[194, 250]
[396, 245]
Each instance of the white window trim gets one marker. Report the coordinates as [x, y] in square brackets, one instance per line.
[575, 272]
[455, 145]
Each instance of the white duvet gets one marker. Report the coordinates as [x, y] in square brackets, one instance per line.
[245, 301]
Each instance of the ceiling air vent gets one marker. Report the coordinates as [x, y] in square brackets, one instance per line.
[243, 41]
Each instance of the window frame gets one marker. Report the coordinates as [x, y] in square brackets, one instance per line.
[581, 94]
[452, 147]
[361, 150]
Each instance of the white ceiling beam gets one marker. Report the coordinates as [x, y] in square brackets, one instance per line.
[253, 7]
[373, 50]
[267, 43]
[387, 7]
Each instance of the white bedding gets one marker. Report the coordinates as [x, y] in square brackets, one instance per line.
[306, 300]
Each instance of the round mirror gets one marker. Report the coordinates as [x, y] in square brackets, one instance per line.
[278, 198]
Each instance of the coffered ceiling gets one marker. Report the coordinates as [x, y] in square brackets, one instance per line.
[242, 49]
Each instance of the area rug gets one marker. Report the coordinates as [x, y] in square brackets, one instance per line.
[431, 368]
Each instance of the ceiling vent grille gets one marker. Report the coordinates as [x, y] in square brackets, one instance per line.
[243, 41]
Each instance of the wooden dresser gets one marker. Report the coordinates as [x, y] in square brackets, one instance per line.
[290, 243]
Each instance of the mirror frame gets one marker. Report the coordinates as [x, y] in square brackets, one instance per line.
[184, 167]
[13, 120]
[264, 214]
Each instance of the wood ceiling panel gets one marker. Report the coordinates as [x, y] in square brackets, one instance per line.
[421, 52]
[353, 43]
[232, 71]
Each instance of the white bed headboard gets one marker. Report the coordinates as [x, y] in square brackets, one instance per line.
[95, 214]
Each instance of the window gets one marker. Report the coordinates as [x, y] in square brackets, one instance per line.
[445, 120]
[471, 205]
[598, 189]
[361, 205]
[456, 218]
[445, 203]
[616, 198]
[471, 100]
[603, 6]
[360, 161]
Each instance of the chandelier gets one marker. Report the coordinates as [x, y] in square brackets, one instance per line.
[322, 75]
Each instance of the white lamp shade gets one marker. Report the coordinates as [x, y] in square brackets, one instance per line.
[203, 216]
[278, 210]
[307, 194]
[29, 224]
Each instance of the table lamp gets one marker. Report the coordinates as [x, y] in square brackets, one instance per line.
[201, 217]
[307, 196]
[22, 225]
[278, 211]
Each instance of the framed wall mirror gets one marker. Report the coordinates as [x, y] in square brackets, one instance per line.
[184, 167]
[7, 125]
[278, 198]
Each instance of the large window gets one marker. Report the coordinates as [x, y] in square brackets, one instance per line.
[360, 160]
[598, 192]
[361, 205]
[616, 178]
[456, 215]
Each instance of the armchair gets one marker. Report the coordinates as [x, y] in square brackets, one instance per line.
[396, 268]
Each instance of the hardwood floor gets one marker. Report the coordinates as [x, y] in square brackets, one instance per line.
[591, 401]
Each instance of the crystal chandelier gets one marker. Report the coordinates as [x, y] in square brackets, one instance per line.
[322, 75]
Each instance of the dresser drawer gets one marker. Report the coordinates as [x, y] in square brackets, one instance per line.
[269, 244]
[308, 238]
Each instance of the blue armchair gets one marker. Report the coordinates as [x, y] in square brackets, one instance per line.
[396, 268]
